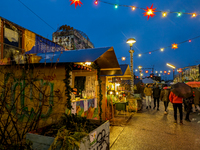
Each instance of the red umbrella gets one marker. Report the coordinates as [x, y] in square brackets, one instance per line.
[182, 90]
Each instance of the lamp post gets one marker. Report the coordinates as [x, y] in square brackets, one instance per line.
[173, 67]
[131, 41]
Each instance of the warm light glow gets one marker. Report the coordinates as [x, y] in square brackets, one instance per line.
[131, 41]
[96, 2]
[136, 70]
[170, 65]
[139, 67]
[111, 92]
[190, 41]
[159, 75]
[162, 49]
[76, 2]
[149, 52]
[117, 84]
[141, 74]
[168, 73]
[164, 14]
[149, 12]
[165, 71]
[88, 63]
[156, 72]
[117, 93]
[160, 71]
[174, 46]
[169, 70]
[123, 58]
[194, 15]
[146, 71]
[133, 8]
[139, 55]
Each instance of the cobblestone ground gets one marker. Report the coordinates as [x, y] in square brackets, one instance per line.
[152, 130]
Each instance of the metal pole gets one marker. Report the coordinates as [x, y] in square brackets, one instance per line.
[132, 75]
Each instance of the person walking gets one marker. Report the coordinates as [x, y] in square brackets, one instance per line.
[177, 103]
[196, 94]
[148, 94]
[189, 101]
[156, 96]
[164, 96]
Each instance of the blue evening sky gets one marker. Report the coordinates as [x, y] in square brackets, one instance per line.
[107, 26]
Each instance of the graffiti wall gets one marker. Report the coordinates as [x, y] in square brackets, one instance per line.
[28, 91]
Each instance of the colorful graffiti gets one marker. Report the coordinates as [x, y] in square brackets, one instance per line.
[22, 86]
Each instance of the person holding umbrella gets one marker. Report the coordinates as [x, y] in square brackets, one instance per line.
[180, 91]
[177, 103]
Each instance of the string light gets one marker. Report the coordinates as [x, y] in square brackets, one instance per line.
[174, 46]
[190, 41]
[133, 8]
[139, 55]
[194, 15]
[149, 52]
[123, 58]
[96, 2]
[162, 49]
[179, 14]
[164, 14]
[149, 11]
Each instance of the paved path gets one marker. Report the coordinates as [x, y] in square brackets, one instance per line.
[152, 130]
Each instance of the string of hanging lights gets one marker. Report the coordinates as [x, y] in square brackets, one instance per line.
[149, 12]
[173, 46]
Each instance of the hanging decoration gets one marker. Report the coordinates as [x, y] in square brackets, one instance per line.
[149, 12]
[76, 2]
[174, 46]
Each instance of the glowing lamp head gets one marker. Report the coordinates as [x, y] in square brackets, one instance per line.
[96, 2]
[133, 8]
[131, 41]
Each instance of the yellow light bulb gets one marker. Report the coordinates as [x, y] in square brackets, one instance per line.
[194, 15]
[150, 12]
[139, 55]
[162, 49]
[133, 8]
[164, 14]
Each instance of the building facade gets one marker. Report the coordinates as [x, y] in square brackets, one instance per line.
[16, 41]
[191, 73]
[71, 38]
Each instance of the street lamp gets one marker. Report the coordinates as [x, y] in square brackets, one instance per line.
[131, 41]
[171, 66]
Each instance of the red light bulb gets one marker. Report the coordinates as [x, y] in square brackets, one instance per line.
[96, 2]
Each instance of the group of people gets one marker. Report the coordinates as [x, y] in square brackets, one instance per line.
[168, 95]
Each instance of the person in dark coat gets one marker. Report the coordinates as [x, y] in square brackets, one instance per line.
[164, 96]
[189, 101]
[156, 96]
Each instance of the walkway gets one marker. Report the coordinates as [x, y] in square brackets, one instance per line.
[152, 130]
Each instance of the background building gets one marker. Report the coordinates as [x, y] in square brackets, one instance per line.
[71, 38]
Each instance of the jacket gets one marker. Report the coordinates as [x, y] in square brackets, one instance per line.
[196, 95]
[156, 92]
[164, 95]
[175, 99]
[148, 91]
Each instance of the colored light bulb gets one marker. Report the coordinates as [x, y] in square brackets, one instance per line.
[164, 14]
[116, 6]
[96, 2]
[133, 8]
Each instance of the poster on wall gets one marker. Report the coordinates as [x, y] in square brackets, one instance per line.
[85, 105]
[95, 103]
[73, 110]
[80, 108]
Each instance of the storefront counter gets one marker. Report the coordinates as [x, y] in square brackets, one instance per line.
[121, 106]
